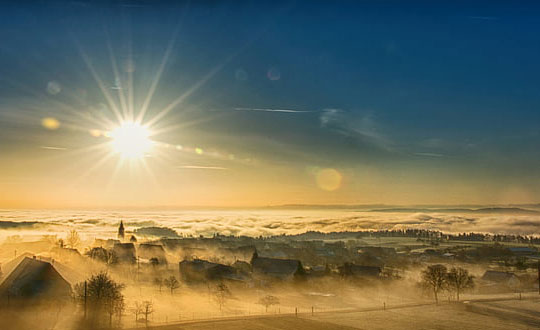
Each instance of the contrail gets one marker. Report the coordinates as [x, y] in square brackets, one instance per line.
[196, 167]
[53, 148]
[272, 110]
[428, 154]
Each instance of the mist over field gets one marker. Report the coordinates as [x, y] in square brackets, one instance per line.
[90, 224]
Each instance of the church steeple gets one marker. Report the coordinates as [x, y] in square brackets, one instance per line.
[121, 230]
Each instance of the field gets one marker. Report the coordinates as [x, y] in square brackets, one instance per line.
[494, 314]
[467, 316]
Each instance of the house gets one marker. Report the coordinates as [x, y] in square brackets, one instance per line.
[149, 251]
[199, 270]
[283, 269]
[125, 253]
[105, 243]
[242, 266]
[34, 279]
[242, 253]
[349, 269]
[320, 270]
[507, 279]
[523, 251]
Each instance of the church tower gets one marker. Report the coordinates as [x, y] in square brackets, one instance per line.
[121, 231]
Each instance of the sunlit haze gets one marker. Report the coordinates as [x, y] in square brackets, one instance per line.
[231, 105]
[269, 165]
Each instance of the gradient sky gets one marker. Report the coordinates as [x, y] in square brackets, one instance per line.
[259, 104]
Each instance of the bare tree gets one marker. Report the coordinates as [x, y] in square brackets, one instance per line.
[147, 309]
[435, 277]
[159, 282]
[221, 294]
[459, 279]
[102, 295]
[268, 301]
[137, 310]
[171, 283]
[73, 239]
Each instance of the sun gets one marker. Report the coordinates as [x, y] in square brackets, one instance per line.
[131, 140]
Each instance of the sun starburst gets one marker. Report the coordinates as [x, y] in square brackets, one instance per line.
[131, 140]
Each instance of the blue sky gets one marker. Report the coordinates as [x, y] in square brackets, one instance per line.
[438, 95]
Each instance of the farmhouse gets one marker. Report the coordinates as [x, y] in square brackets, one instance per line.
[34, 279]
[283, 269]
[199, 270]
[125, 252]
[149, 251]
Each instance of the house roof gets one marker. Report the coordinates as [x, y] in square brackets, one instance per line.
[272, 266]
[497, 276]
[34, 278]
[197, 264]
[360, 270]
[522, 249]
[148, 251]
[209, 270]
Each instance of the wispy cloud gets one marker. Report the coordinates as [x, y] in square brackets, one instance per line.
[273, 110]
[197, 167]
[361, 127]
[53, 148]
[428, 154]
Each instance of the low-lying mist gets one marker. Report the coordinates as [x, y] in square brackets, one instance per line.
[33, 224]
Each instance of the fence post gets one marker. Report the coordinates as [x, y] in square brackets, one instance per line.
[85, 295]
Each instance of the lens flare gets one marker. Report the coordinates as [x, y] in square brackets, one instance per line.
[50, 123]
[328, 179]
[131, 140]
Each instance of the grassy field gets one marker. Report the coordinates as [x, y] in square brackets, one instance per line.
[501, 315]
[498, 315]
[262, 323]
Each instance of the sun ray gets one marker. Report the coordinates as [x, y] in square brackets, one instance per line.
[155, 81]
[99, 82]
[117, 77]
[130, 77]
[93, 168]
[185, 95]
[148, 170]
[157, 77]
[186, 124]
[117, 167]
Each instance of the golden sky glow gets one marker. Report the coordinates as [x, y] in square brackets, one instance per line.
[146, 109]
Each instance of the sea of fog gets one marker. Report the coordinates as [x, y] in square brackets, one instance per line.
[103, 224]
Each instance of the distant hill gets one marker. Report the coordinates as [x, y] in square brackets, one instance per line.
[485, 210]
[157, 231]
[13, 224]
[503, 209]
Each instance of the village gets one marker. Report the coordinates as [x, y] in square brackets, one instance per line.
[226, 270]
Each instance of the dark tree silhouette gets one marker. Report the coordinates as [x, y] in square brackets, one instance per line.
[268, 301]
[221, 294]
[435, 277]
[102, 295]
[171, 283]
[143, 308]
[459, 279]
[159, 282]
